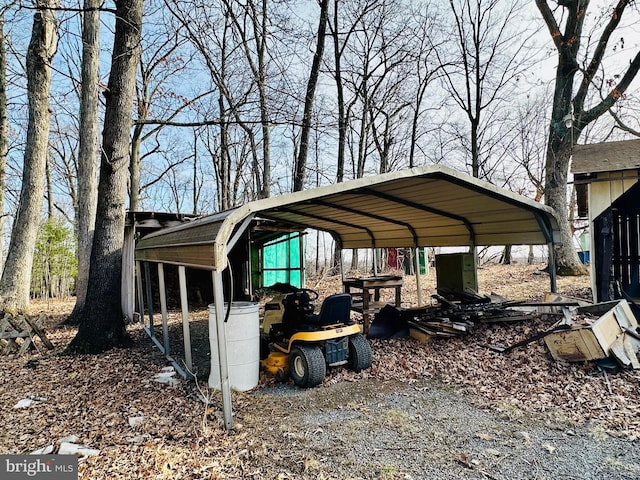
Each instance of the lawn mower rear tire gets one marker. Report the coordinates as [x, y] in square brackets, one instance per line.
[360, 355]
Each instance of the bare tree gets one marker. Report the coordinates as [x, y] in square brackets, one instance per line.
[252, 28]
[573, 106]
[4, 125]
[164, 60]
[373, 57]
[428, 37]
[300, 167]
[380, 62]
[87, 170]
[526, 146]
[16, 276]
[213, 31]
[487, 62]
[343, 26]
[101, 324]
[63, 158]
[531, 145]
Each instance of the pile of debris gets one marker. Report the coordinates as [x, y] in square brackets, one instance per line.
[17, 333]
[598, 332]
[452, 318]
[603, 331]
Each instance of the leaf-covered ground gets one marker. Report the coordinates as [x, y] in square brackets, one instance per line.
[147, 429]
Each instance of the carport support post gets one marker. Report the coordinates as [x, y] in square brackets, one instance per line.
[140, 292]
[552, 267]
[147, 282]
[225, 385]
[375, 261]
[182, 278]
[163, 308]
[416, 261]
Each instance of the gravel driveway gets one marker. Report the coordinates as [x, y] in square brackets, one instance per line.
[370, 429]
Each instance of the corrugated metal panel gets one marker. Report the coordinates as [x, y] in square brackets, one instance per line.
[429, 206]
[197, 256]
[191, 244]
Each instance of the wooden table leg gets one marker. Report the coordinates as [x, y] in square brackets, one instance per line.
[376, 294]
[365, 309]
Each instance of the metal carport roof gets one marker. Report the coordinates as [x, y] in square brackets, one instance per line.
[427, 206]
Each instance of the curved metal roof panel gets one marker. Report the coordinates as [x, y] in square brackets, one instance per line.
[426, 206]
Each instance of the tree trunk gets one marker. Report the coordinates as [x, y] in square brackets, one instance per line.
[196, 182]
[555, 192]
[336, 263]
[224, 167]
[301, 163]
[475, 149]
[142, 101]
[4, 128]
[342, 118]
[559, 148]
[505, 258]
[561, 140]
[88, 151]
[414, 134]
[16, 277]
[101, 321]
[364, 133]
[355, 261]
[264, 106]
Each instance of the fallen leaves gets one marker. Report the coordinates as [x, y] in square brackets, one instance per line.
[101, 399]
[526, 379]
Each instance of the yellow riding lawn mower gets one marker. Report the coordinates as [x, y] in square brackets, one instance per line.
[299, 343]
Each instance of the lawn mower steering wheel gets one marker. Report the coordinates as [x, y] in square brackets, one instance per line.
[313, 295]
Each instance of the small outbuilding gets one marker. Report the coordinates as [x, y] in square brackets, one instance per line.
[608, 195]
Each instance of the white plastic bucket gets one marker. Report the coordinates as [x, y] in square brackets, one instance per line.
[243, 346]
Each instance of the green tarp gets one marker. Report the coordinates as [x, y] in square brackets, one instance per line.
[281, 261]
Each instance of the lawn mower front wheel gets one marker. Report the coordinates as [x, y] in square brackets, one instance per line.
[307, 365]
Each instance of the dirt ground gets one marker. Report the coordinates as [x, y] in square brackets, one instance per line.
[446, 409]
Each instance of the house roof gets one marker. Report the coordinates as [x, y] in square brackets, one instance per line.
[606, 157]
[427, 206]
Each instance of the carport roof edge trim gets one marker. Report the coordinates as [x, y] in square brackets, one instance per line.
[228, 220]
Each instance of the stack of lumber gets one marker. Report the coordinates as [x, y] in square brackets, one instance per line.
[441, 327]
[453, 319]
[18, 333]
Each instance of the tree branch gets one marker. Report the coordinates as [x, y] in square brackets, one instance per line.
[623, 126]
[614, 95]
[70, 9]
[598, 55]
[550, 20]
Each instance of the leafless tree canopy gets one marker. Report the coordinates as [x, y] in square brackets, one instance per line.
[240, 100]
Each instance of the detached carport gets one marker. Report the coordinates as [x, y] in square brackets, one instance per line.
[431, 206]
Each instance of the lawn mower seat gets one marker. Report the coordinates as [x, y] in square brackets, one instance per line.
[297, 308]
[335, 309]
